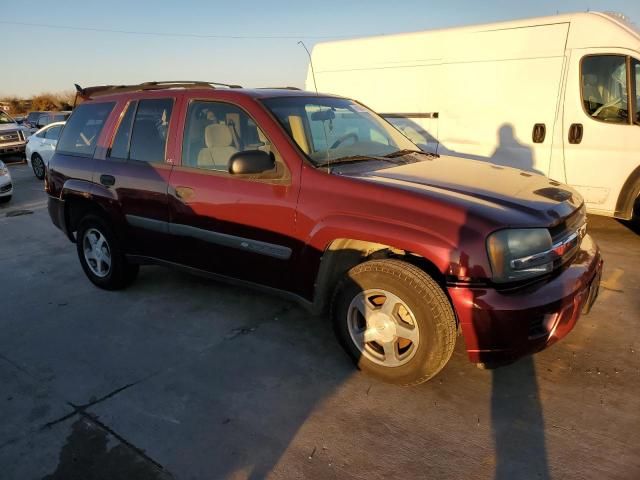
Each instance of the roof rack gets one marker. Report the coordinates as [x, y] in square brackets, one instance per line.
[90, 92]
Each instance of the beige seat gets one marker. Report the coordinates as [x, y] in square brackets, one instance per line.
[219, 148]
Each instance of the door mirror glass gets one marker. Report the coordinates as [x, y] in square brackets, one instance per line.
[251, 162]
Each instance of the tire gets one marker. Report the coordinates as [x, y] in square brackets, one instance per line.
[114, 274]
[416, 298]
[37, 164]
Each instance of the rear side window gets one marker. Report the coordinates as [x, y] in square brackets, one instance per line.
[53, 133]
[120, 145]
[81, 132]
[150, 129]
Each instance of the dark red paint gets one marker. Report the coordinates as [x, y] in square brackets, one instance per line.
[424, 208]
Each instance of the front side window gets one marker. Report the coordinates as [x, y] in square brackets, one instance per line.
[604, 88]
[150, 130]
[328, 128]
[215, 131]
[80, 135]
[53, 133]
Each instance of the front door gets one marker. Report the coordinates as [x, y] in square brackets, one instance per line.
[601, 128]
[238, 226]
[136, 173]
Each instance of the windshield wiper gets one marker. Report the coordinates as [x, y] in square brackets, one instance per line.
[400, 153]
[354, 159]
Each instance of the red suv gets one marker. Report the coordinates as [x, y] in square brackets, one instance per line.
[319, 198]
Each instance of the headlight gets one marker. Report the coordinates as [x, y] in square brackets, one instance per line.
[520, 253]
[3, 169]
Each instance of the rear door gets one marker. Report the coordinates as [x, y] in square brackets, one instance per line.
[135, 173]
[239, 226]
[601, 128]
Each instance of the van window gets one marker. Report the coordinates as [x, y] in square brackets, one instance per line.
[120, 145]
[80, 135]
[150, 129]
[604, 88]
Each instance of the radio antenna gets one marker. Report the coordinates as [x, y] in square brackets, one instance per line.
[315, 85]
[313, 73]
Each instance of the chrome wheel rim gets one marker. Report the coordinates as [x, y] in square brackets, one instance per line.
[97, 253]
[383, 328]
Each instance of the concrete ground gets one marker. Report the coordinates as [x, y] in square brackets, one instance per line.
[180, 377]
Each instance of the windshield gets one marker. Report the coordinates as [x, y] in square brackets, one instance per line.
[328, 129]
[5, 119]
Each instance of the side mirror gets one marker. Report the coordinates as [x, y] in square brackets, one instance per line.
[251, 162]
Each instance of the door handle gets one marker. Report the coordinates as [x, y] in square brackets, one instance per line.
[107, 180]
[575, 133]
[184, 193]
[539, 133]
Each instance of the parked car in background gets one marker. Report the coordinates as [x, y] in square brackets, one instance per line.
[31, 119]
[40, 147]
[12, 136]
[318, 197]
[45, 118]
[6, 186]
[556, 95]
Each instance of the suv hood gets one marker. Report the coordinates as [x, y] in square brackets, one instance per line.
[507, 195]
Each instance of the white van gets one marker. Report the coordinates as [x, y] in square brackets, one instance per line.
[557, 95]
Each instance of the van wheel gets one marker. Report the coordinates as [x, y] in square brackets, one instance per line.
[394, 321]
[38, 166]
[101, 256]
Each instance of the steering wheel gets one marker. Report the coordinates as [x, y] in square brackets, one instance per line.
[607, 105]
[345, 137]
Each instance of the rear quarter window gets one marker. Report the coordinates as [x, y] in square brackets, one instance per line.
[80, 135]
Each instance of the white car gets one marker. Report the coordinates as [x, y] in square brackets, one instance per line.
[6, 187]
[40, 147]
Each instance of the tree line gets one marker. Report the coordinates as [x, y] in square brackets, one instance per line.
[41, 102]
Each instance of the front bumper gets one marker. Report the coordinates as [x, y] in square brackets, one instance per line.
[6, 187]
[501, 326]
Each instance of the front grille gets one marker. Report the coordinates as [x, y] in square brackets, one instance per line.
[10, 137]
[6, 188]
[569, 225]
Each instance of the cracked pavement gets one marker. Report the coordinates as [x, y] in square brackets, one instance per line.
[181, 377]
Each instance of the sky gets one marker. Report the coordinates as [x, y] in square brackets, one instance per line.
[45, 59]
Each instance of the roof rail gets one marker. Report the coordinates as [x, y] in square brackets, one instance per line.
[90, 92]
[278, 88]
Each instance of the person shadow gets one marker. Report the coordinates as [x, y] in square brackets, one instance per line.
[512, 153]
[517, 422]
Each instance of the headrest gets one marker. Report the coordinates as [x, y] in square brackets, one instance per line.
[218, 135]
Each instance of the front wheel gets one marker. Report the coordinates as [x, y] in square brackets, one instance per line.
[100, 255]
[394, 321]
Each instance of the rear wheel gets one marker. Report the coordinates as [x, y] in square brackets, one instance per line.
[38, 166]
[395, 321]
[101, 256]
